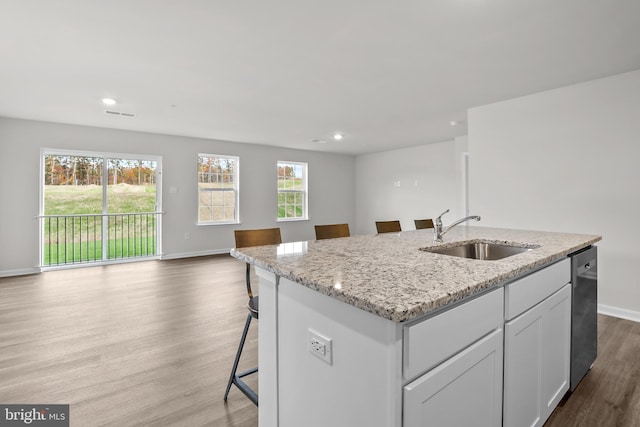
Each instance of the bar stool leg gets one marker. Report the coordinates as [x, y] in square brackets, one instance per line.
[238, 353]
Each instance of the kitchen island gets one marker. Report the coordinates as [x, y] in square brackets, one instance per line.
[376, 331]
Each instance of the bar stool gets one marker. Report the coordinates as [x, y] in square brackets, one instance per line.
[247, 238]
[423, 223]
[388, 226]
[331, 231]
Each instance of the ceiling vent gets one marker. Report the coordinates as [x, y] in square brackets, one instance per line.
[119, 113]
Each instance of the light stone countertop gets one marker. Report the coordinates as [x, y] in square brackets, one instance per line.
[389, 276]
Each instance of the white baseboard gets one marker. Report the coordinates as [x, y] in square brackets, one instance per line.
[195, 254]
[622, 313]
[19, 272]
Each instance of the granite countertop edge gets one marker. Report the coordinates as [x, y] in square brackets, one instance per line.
[386, 303]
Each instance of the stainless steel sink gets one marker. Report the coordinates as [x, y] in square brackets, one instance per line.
[480, 250]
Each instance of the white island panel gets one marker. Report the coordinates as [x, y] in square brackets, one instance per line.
[359, 387]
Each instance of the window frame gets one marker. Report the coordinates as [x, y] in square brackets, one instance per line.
[235, 189]
[105, 157]
[305, 190]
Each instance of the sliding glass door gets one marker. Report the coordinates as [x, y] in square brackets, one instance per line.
[99, 207]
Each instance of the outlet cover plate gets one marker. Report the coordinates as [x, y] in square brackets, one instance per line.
[320, 346]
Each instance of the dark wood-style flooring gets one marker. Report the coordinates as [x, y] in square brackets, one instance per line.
[147, 343]
[152, 343]
[609, 396]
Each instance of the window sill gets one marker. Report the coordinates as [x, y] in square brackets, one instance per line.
[207, 224]
[291, 219]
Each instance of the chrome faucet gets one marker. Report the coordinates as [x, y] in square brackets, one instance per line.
[438, 231]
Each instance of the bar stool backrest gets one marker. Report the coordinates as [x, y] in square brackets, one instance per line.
[388, 226]
[423, 223]
[260, 237]
[331, 231]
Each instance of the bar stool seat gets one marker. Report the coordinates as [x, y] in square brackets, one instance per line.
[253, 305]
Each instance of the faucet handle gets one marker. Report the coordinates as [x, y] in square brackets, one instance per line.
[437, 227]
[439, 218]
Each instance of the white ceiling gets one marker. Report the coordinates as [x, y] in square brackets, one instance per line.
[387, 74]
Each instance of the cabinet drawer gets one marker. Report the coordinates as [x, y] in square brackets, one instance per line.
[428, 343]
[465, 390]
[530, 290]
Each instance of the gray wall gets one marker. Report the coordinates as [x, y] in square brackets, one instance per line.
[331, 187]
[567, 160]
[409, 183]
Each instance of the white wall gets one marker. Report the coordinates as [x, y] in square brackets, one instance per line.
[566, 160]
[331, 187]
[409, 183]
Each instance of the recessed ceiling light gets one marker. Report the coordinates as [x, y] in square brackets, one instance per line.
[454, 123]
[108, 101]
[337, 136]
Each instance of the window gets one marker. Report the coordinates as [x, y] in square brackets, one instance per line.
[217, 189]
[292, 191]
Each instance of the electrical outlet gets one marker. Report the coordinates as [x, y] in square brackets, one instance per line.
[320, 346]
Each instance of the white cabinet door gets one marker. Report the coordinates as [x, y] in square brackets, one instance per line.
[536, 360]
[465, 390]
[523, 338]
[556, 356]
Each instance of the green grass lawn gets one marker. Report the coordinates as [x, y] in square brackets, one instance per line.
[90, 251]
[87, 199]
[80, 240]
[290, 183]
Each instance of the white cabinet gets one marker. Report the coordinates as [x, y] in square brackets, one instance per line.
[465, 390]
[463, 366]
[430, 342]
[537, 359]
[456, 357]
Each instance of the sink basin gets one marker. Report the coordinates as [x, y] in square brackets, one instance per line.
[480, 250]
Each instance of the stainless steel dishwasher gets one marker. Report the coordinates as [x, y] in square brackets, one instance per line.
[584, 313]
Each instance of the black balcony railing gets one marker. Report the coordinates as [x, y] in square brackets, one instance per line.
[76, 239]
